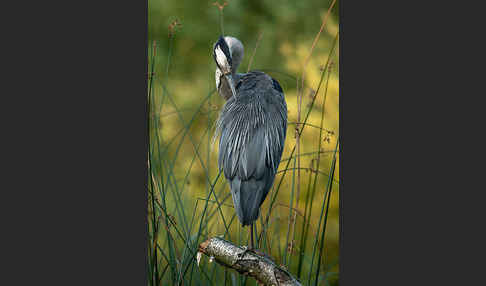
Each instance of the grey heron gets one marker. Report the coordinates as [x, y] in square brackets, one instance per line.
[252, 126]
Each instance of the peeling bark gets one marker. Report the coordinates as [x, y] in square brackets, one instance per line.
[246, 262]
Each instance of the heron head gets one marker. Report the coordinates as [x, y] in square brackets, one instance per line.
[224, 61]
[222, 56]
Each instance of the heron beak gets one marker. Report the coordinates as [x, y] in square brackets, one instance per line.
[229, 79]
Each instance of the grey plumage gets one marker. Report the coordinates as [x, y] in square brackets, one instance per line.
[252, 128]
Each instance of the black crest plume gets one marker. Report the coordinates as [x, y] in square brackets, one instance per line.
[224, 47]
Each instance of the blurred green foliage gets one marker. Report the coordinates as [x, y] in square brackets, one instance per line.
[184, 77]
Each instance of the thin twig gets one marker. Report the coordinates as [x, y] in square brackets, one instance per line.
[254, 50]
[300, 93]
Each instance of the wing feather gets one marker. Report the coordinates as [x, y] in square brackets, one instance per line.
[253, 128]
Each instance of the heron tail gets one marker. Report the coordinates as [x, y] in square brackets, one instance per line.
[248, 196]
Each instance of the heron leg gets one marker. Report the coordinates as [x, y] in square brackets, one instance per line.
[252, 246]
[257, 242]
[248, 248]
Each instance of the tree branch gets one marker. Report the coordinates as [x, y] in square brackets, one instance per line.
[246, 262]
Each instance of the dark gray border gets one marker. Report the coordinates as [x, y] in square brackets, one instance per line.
[73, 189]
[410, 121]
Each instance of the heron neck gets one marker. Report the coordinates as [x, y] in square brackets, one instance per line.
[224, 88]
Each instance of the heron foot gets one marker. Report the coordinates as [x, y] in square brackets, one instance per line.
[257, 252]
[252, 250]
